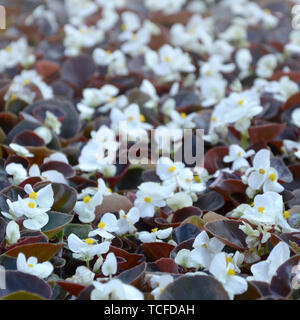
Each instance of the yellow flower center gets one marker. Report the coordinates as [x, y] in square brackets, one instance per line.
[241, 102]
[30, 265]
[172, 169]
[231, 272]
[286, 214]
[33, 195]
[86, 199]
[154, 230]
[228, 260]
[8, 49]
[239, 154]
[252, 204]
[268, 11]
[261, 209]
[272, 176]
[26, 82]
[14, 96]
[123, 27]
[101, 225]
[109, 189]
[167, 59]
[204, 245]
[147, 199]
[188, 180]
[142, 118]
[182, 115]
[197, 178]
[214, 119]
[261, 171]
[130, 118]
[108, 52]
[89, 241]
[31, 205]
[112, 99]
[208, 73]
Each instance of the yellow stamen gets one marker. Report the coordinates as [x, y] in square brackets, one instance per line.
[266, 10]
[89, 241]
[204, 245]
[31, 205]
[172, 169]
[26, 82]
[30, 265]
[197, 178]
[252, 204]
[142, 118]
[286, 214]
[8, 49]
[261, 171]
[101, 225]
[241, 102]
[108, 52]
[214, 119]
[130, 118]
[239, 154]
[109, 189]
[33, 195]
[112, 99]
[228, 260]
[147, 199]
[14, 96]
[86, 199]
[231, 272]
[154, 230]
[182, 115]
[208, 73]
[188, 180]
[123, 27]
[272, 176]
[167, 59]
[261, 209]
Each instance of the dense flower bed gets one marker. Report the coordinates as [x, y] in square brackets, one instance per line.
[78, 78]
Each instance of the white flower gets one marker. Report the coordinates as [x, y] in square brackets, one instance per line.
[83, 276]
[150, 196]
[155, 235]
[225, 272]
[78, 10]
[266, 65]
[86, 249]
[19, 88]
[126, 221]
[292, 146]
[243, 60]
[21, 151]
[167, 169]
[265, 270]
[293, 46]
[255, 236]
[237, 155]
[108, 20]
[44, 133]
[82, 37]
[262, 175]
[148, 88]
[184, 259]
[205, 249]
[86, 208]
[109, 266]
[18, 172]
[107, 224]
[41, 12]
[31, 266]
[166, 6]
[115, 290]
[215, 65]
[179, 200]
[12, 232]
[268, 209]
[188, 183]
[48, 175]
[159, 283]
[181, 120]
[296, 117]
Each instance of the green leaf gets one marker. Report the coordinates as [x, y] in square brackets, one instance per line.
[57, 221]
[81, 230]
[22, 295]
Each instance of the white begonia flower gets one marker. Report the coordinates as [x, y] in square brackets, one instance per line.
[167, 138]
[238, 156]
[21, 151]
[17, 52]
[255, 237]
[188, 182]
[86, 249]
[237, 32]
[41, 12]
[150, 196]
[12, 232]
[292, 147]
[19, 87]
[78, 38]
[263, 175]
[17, 171]
[115, 61]
[107, 224]
[159, 283]
[31, 266]
[296, 117]
[115, 290]
[86, 208]
[127, 221]
[52, 122]
[167, 6]
[135, 43]
[44, 133]
[205, 249]
[293, 46]
[155, 235]
[56, 156]
[183, 258]
[179, 200]
[266, 65]
[90, 191]
[265, 270]
[108, 20]
[78, 10]
[181, 120]
[243, 60]
[167, 169]
[109, 267]
[148, 88]
[215, 65]
[224, 271]
[268, 210]
[168, 62]
[48, 175]
[83, 276]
